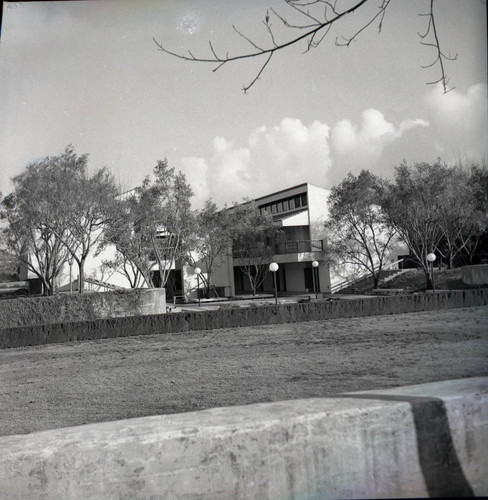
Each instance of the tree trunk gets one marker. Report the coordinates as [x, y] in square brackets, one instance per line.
[81, 276]
[451, 261]
[47, 289]
[376, 280]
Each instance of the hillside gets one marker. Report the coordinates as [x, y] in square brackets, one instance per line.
[413, 280]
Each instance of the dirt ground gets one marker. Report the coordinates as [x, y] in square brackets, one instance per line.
[60, 385]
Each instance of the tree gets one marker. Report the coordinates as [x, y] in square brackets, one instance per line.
[212, 240]
[437, 208]
[314, 20]
[59, 209]
[478, 183]
[358, 230]
[254, 240]
[9, 264]
[133, 243]
[90, 205]
[463, 215]
[35, 223]
[417, 203]
[127, 268]
[155, 229]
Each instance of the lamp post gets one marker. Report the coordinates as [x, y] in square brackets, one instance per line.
[197, 272]
[273, 267]
[315, 264]
[430, 259]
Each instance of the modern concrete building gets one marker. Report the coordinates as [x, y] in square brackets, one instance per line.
[300, 212]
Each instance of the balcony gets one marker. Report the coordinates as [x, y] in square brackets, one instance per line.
[299, 247]
[290, 247]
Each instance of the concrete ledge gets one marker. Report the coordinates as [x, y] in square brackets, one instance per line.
[235, 317]
[475, 275]
[417, 441]
[387, 291]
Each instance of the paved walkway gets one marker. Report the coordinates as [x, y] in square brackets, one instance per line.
[260, 300]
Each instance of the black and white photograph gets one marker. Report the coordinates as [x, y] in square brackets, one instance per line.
[243, 249]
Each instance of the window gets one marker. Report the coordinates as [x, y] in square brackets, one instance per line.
[285, 206]
[291, 203]
[303, 199]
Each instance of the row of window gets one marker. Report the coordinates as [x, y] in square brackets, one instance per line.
[291, 203]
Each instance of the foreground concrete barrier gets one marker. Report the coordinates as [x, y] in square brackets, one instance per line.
[416, 441]
[235, 317]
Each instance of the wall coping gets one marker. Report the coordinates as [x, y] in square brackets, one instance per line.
[414, 441]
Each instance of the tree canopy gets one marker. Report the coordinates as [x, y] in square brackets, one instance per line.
[211, 240]
[157, 226]
[254, 240]
[358, 231]
[58, 209]
[437, 208]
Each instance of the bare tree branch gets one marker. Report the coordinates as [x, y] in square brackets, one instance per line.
[380, 14]
[313, 31]
[440, 57]
[260, 52]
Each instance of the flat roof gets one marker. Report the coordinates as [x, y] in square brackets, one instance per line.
[297, 189]
[283, 191]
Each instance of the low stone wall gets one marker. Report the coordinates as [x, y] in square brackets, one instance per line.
[236, 317]
[475, 275]
[65, 308]
[418, 441]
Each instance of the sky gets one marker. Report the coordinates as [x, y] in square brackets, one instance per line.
[88, 73]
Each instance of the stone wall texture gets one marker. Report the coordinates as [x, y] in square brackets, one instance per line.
[69, 308]
[237, 317]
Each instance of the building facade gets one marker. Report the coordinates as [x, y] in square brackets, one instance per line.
[299, 212]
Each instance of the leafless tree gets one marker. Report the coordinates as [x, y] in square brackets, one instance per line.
[317, 19]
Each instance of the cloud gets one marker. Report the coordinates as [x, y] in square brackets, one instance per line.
[461, 121]
[371, 137]
[272, 158]
[367, 145]
[290, 153]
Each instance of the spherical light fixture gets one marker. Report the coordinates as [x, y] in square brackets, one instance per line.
[431, 258]
[315, 264]
[273, 267]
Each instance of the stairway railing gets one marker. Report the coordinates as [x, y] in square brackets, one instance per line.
[103, 284]
[358, 277]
